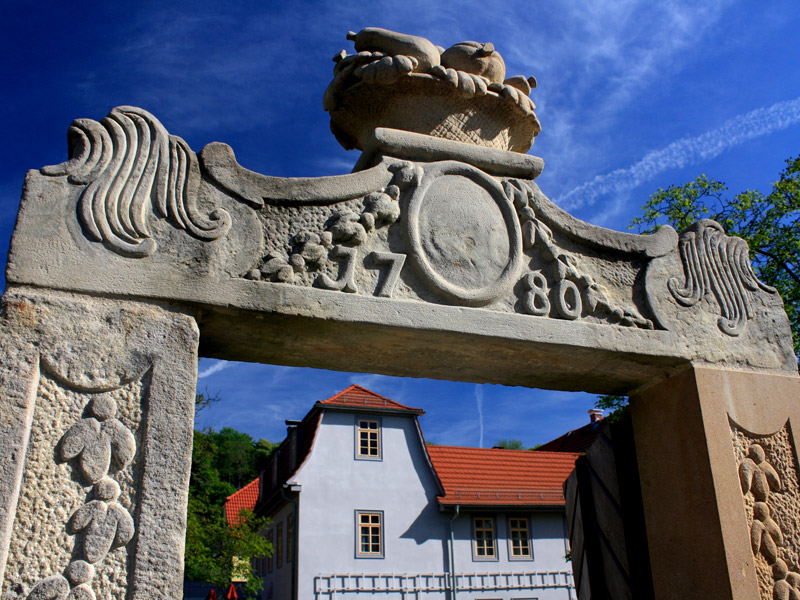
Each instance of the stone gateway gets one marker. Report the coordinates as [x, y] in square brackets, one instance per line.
[136, 254]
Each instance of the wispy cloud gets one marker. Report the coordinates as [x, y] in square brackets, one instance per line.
[686, 151]
[215, 368]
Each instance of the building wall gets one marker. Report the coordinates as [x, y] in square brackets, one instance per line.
[548, 545]
[278, 582]
[335, 485]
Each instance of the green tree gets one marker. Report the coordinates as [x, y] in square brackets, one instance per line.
[222, 462]
[618, 405]
[510, 445]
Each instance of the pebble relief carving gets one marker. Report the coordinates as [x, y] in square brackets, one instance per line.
[96, 446]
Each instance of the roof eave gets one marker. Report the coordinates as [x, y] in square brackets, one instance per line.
[362, 409]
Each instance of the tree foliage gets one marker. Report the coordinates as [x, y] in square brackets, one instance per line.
[510, 445]
[770, 223]
[222, 462]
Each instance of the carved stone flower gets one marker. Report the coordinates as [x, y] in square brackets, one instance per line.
[765, 535]
[757, 475]
[99, 442]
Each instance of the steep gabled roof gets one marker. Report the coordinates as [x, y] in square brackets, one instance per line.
[577, 440]
[244, 498]
[496, 477]
[356, 396]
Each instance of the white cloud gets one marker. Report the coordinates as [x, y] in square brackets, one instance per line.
[686, 151]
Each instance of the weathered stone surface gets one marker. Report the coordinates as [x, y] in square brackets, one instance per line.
[712, 531]
[113, 383]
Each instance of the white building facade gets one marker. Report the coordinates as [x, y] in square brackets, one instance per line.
[362, 508]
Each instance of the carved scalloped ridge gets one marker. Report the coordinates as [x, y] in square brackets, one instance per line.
[132, 166]
[717, 263]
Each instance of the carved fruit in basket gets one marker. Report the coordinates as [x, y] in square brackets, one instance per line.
[476, 58]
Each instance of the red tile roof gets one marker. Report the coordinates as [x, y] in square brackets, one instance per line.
[486, 477]
[577, 440]
[356, 396]
[244, 498]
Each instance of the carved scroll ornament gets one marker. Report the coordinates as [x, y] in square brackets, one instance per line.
[718, 264]
[130, 166]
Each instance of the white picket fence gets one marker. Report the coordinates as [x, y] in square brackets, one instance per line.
[421, 586]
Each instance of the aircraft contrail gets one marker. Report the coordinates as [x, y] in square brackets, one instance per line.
[215, 368]
[479, 400]
[685, 151]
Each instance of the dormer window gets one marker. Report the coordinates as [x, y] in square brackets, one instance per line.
[368, 439]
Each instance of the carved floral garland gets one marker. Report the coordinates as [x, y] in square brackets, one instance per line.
[94, 446]
[345, 231]
[573, 289]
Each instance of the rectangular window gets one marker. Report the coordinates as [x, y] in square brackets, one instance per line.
[289, 538]
[518, 538]
[369, 534]
[483, 528]
[368, 439]
[279, 546]
[269, 559]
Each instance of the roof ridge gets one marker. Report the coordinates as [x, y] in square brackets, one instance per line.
[355, 389]
[526, 452]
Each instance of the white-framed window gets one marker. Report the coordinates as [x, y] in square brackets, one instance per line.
[368, 438]
[519, 539]
[369, 534]
[484, 546]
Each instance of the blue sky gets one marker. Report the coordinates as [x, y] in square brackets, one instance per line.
[633, 95]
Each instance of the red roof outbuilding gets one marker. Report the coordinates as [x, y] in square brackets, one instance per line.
[244, 498]
[497, 477]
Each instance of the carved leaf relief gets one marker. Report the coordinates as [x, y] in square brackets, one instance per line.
[131, 167]
[771, 493]
[98, 442]
[717, 264]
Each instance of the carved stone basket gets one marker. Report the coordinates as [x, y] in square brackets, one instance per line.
[425, 104]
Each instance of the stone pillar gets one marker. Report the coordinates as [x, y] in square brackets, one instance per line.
[717, 453]
[97, 410]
